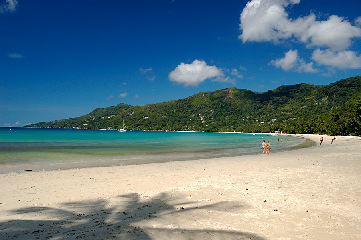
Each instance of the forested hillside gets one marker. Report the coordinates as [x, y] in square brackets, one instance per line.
[333, 109]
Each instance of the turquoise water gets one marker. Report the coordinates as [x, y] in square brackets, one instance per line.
[38, 149]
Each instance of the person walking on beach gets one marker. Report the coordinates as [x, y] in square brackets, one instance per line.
[321, 140]
[268, 147]
[263, 146]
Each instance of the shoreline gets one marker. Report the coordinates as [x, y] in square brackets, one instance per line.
[308, 193]
[149, 158]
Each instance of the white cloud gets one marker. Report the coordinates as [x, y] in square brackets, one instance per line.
[236, 73]
[123, 95]
[110, 97]
[335, 33]
[8, 6]
[267, 20]
[292, 61]
[288, 62]
[195, 73]
[342, 60]
[306, 67]
[15, 55]
[358, 21]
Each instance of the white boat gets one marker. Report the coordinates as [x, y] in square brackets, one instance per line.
[122, 129]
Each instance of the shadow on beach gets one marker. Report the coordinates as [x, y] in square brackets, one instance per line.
[130, 218]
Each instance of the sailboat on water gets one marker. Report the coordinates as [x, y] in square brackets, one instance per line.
[122, 129]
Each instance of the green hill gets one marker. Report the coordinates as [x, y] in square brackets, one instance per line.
[334, 109]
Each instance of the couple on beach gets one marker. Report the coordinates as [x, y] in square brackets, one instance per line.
[332, 140]
[266, 147]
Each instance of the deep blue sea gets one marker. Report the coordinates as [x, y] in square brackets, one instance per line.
[49, 149]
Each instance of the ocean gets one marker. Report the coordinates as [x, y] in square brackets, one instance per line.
[33, 149]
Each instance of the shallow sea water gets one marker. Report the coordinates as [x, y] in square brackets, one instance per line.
[49, 149]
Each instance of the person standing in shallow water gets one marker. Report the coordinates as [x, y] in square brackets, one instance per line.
[268, 147]
[263, 146]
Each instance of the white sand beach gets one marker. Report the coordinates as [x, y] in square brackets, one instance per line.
[309, 193]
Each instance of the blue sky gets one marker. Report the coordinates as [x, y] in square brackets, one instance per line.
[64, 58]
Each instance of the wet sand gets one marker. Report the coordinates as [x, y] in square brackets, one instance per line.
[309, 193]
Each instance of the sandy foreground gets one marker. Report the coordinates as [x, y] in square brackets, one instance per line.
[312, 193]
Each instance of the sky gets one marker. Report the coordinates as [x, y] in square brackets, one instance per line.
[64, 58]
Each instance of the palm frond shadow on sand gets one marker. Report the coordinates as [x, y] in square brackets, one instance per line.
[101, 219]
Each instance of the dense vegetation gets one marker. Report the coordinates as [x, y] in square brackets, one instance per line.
[333, 109]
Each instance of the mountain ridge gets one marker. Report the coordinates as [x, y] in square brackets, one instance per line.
[300, 108]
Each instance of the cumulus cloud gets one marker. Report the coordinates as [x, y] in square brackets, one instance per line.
[342, 60]
[288, 62]
[236, 73]
[358, 21]
[291, 61]
[335, 33]
[268, 20]
[264, 20]
[123, 95]
[306, 67]
[195, 73]
[8, 6]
